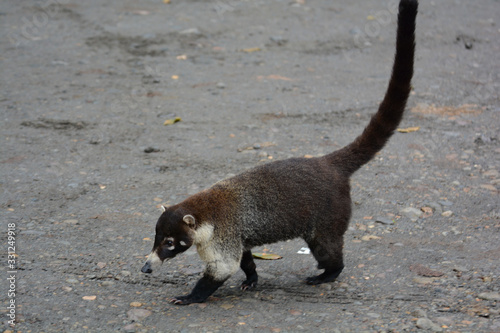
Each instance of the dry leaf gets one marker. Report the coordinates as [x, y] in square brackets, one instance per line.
[266, 256]
[182, 57]
[274, 77]
[166, 1]
[89, 298]
[172, 121]
[251, 49]
[408, 129]
[135, 304]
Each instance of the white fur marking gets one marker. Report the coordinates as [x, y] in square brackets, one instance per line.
[153, 259]
[203, 234]
[183, 243]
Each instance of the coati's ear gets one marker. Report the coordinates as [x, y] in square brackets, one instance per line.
[163, 208]
[189, 219]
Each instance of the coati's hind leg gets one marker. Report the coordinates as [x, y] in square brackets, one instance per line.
[327, 249]
[248, 266]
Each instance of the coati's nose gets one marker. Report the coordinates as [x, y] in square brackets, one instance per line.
[147, 268]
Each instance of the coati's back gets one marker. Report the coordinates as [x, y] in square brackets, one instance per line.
[289, 199]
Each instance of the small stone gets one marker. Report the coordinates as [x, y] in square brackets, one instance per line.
[125, 273]
[136, 304]
[488, 187]
[67, 289]
[101, 265]
[373, 315]
[427, 324]
[150, 150]
[419, 313]
[107, 283]
[446, 203]
[412, 213]
[71, 221]
[448, 213]
[138, 314]
[423, 280]
[227, 306]
[490, 296]
[436, 207]
[221, 85]
[384, 220]
[491, 173]
[191, 31]
[130, 328]
[278, 40]
[72, 281]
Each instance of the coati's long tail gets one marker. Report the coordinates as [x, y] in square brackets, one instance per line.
[383, 124]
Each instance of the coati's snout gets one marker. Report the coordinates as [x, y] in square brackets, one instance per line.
[147, 268]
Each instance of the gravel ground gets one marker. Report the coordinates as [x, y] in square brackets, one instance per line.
[86, 160]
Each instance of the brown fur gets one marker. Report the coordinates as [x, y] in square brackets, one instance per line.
[298, 197]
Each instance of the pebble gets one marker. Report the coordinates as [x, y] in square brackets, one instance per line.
[130, 328]
[490, 296]
[436, 207]
[138, 314]
[221, 85]
[427, 324]
[278, 40]
[412, 213]
[373, 315]
[191, 31]
[125, 273]
[72, 281]
[419, 313]
[491, 173]
[384, 220]
[448, 213]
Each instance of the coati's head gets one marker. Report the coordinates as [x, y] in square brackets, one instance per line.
[174, 235]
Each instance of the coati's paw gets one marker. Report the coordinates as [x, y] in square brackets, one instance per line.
[312, 280]
[327, 276]
[248, 284]
[183, 300]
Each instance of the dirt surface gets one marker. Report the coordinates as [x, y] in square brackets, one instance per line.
[86, 160]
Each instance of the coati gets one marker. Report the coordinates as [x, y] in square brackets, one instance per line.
[297, 197]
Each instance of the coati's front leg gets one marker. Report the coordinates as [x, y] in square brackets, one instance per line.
[205, 287]
[216, 273]
[248, 266]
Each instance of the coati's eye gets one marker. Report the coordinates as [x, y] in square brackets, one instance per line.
[169, 243]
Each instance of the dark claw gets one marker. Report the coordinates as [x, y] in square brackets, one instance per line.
[248, 285]
[180, 300]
